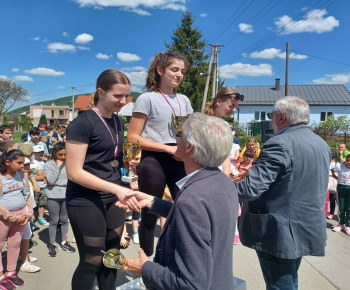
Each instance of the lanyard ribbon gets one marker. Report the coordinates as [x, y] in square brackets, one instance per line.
[170, 104]
[116, 130]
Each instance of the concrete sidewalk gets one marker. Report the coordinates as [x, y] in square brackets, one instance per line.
[329, 272]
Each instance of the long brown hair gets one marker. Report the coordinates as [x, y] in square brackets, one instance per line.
[105, 81]
[223, 95]
[163, 60]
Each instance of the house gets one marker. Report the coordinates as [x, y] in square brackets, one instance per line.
[53, 113]
[324, 100]
[83, 102]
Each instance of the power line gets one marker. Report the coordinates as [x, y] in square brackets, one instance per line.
[321, 58]
[272, 35]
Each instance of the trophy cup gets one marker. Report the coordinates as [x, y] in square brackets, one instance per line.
[177, 122]
[130, 150]
[114, 259]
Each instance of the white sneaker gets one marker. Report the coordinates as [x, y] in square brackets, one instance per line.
[136, 238]
[29, 267]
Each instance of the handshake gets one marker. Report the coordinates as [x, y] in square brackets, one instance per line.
[135, 200]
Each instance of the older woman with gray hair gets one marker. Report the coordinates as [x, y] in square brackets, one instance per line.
[194, 250]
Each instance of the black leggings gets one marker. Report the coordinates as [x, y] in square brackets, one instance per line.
[156, 170]
[96, 228]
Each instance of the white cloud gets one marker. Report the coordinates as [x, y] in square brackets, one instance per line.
[65, 34]
[36, 38]
[15, 69]
[314, 21]
[20, 78]
[203, 15]
[231, 71]
[58, 46]
[127, 57]
[62, 87]
[134, 68]
[83, 38]
[42, 71]
[246, 28]
[137, 78]
[2, 77]
[333, 79]
[136, 6]
[102, 56]
[271, 53]
[83, 47]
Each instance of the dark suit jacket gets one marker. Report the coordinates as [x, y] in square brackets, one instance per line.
[194, 250]
[286, 189]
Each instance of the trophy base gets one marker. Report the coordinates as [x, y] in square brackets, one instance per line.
[129, 179]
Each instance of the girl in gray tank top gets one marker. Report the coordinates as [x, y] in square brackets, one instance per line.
[151, 127]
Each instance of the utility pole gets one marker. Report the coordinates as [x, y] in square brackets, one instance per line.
[287, 69]
[73, 115]
[207, 80]
[213, 55]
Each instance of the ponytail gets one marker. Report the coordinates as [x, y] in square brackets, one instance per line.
[209, 109]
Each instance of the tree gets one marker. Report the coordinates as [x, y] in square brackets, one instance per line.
[332, 126]
[10, 93]
[43, 119]
[187, 41]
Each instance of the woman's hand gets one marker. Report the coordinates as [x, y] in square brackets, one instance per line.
[142, 199]
[24, 218]
[170, 149]
[59, 163]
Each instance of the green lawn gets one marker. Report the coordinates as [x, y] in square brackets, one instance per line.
[17, 136]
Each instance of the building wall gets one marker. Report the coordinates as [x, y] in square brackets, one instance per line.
[37, 111]
[246, 113]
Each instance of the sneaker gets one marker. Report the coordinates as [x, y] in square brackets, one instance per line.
[34, 227]
[330, 216]
[33, 242]
[67, 247]
[6, 284]
[338, 228]
[29, 267]
[136, 238]
[31, 259]
[129, 217]
[43, 221]
[52, 250]
[14, 279]
[236, 240]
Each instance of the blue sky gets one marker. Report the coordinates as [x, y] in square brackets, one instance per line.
[48, 46]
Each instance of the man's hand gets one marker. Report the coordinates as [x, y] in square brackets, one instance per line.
[135, 265]
[240, 176]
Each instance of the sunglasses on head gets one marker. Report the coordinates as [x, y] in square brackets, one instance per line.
[237, 96]
[178, 134]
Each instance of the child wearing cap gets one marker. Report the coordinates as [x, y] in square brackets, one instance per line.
[37, 166]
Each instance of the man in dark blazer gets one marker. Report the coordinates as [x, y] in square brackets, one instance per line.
[286, 188]
[194, 250]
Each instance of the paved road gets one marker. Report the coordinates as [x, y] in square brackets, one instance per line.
[330, 272]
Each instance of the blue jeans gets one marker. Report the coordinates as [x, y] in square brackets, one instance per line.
[279, 273]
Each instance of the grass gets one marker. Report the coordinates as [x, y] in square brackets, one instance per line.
[17, 136]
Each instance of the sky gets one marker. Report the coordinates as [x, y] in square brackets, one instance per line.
[50, 46]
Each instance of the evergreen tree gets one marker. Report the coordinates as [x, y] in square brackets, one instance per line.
[188, 41]
[43, 120]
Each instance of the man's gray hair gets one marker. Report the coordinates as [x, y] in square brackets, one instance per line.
[211, 138]
[296, 110]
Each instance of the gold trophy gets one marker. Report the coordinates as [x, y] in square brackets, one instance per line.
[177, 122]
[114, 259]
[130, 151]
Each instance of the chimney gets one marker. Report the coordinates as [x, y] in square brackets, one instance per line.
[277, 84]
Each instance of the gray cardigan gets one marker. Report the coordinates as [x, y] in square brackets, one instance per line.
[57, 176]
[194, 250]
[286, 192]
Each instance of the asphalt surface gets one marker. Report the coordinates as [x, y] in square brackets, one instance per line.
[329, 272]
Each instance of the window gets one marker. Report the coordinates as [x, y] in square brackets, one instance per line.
[60, 112]
[259, 115]
[325, 115]
[52, 113]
